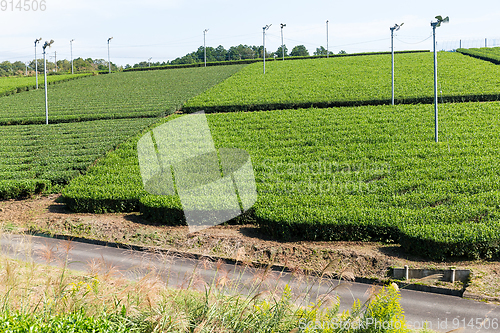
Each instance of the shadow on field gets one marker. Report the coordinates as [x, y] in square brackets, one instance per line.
[396, 251]
[137, 218]
[59, 207]
[253, 231]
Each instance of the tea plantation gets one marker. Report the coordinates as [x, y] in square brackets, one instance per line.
[87, 118]
[11, 85]
[352, 81]
[331, 161]
[358, 173]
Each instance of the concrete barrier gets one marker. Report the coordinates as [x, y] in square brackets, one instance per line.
[450, 275]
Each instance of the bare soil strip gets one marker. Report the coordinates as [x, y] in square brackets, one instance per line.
[245, 243]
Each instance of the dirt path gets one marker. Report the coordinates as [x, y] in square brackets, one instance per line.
[241, 242]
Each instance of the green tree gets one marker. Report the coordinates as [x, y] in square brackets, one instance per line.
[211, 54]
[299, 51]
[141, 64]
[189, 58]
[221, 53]
[321, 51]
[64, 65]
[279, 52]
[258, 51]
[81, 65]
[18, 67]
[40, 65]
[6, 66]
[241, 52]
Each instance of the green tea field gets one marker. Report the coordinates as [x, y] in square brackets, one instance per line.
[121, 95]
[351, 81]
[491, 54]
[357, 173]
[87, 118]
[10, 85]
[370, 173]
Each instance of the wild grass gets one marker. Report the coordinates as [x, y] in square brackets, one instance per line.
[49, 297]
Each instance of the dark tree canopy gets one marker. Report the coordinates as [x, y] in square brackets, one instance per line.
[299, 51]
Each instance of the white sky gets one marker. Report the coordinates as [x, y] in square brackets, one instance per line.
[167, 29]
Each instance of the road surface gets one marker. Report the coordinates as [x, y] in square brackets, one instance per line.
[442, 313]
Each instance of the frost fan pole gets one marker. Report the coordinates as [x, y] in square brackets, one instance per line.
[109, 60]
[264, 44]
[434, 25]
[435, 85]
[282, 44]
[396, 27]
[71, 48]
[36, 62]
[327, 38]
[47, 44]
[205, 47]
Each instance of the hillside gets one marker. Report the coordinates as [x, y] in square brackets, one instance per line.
[88, 117]
[351, 81]
[370, 173]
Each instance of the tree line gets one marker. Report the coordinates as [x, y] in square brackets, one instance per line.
[219, 53]
[239, 52]
[19, 68]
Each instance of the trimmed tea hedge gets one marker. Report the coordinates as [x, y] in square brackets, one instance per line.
[351, 81]
[87, 119]
[442, 241]
[12, 85]
[491, 54]
[13, 189]
[41, 158]
[358, 174]
[116, 96]
[162, 209]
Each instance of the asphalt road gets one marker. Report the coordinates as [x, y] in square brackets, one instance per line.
[442, 313]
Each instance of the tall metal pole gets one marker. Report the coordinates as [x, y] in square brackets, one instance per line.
[264, 47]
[205, 47]
[434, 24]
[36, 67]
[36, 62]
[282, 44]
[392, 59]
[395, 27]
[47, 44]
[55, 59]
[71, 47]
[327, 38]
[109, 61]
[264, 44]
[45, 84]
